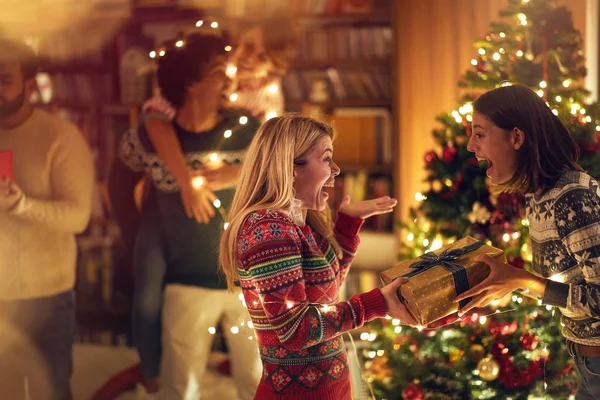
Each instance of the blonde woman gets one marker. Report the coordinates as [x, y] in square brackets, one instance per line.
[290, 260]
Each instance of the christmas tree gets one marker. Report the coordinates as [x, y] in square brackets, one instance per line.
[512, 349]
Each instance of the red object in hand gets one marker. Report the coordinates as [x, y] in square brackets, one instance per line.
[6, 165]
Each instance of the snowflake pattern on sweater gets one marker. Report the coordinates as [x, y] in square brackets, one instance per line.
[291, 277]
[564, 227]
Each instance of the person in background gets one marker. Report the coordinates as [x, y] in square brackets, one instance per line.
[173, 248]
[42, 207]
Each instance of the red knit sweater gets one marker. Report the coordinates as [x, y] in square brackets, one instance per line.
[291, 278]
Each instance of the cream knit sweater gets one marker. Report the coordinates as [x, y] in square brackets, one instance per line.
[54, 167]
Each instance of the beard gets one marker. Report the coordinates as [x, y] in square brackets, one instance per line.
[8, 108]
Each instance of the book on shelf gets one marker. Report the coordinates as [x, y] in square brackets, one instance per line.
[338, 6]
[364, 136]
[361, 86]
[346, 42]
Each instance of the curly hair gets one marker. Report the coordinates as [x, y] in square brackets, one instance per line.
[181, 66]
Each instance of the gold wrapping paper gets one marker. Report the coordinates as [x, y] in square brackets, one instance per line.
[430, 295]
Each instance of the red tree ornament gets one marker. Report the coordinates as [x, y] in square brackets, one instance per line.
[449, 153]
[430, 156]
[412, 391]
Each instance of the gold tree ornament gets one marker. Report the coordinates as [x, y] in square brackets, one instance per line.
[488, 368]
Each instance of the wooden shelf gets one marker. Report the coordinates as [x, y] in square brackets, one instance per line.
[296, 104]
[104, 108]
[360, 64]
[376, 17]
[146, 14]
[68, 104]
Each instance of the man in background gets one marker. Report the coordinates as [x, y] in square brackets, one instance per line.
[44, 201]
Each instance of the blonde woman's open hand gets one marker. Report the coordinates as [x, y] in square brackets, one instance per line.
[366, 208]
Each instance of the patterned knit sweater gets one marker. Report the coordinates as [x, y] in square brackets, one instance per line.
[291, 278]
[564, 226]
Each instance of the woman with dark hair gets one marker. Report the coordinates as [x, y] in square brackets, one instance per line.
[529, 150]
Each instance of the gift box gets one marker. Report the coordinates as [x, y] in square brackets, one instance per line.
[437, 278]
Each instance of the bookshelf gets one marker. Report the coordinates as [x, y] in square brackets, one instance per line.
[344, 68]
[348, 51]
[83, 88]
[88, 88]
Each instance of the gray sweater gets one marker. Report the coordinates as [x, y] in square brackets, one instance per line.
[564, 227]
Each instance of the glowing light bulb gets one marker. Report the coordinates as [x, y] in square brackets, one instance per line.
[152, 54]
[179, 43]
[235, 330]
[228, 48]
[227, 133]
[198, 181]
[231, 70]
[212, 330]
[199, 24]
[243, 120]
[214, 25]
[217, 203]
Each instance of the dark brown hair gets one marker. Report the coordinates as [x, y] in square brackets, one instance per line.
[548, 149]
[182, 66]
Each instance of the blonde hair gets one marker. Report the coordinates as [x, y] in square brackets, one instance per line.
[266, 180]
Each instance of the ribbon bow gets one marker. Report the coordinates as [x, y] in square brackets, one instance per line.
[445, 259]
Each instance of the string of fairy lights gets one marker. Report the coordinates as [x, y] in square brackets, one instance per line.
[231, 71]
[461, 115]
[464, 115]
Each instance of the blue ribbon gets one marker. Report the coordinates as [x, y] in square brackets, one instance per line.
[445, 259]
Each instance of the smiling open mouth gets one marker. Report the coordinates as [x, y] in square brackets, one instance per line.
[490, 164]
